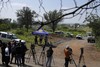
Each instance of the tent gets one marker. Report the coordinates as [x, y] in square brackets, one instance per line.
[40, 32]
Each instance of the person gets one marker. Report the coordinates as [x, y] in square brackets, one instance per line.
[41, 38]
[18, 54]
[36, 39]
[46, 40]
[49, 57]
[23, 51]
[7, 55]
[67, 52]
[0, 43]
[13, 44]
[3, 52]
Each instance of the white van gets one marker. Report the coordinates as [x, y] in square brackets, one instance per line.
[6, 36]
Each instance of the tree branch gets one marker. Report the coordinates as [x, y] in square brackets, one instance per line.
[73, 12]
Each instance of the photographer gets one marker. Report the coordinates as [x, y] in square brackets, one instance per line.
[67, 52]
[49, 57]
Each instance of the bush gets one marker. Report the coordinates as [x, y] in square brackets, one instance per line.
[19, 32]
[98, 43]
[4, 27]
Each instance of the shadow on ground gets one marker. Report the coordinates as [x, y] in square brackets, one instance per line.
[27, 65]
[1, 65]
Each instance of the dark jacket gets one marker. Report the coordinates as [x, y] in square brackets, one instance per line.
[49, 53]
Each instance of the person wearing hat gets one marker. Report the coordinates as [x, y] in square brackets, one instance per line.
[67, 52]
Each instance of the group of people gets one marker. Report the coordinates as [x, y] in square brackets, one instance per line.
[12, 50]
[17, 50]
[67, 52]
[40, 39]
[48, 55]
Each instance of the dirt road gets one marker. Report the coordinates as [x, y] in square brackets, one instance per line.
[91, 55]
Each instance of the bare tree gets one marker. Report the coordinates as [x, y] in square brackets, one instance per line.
[2, 3]
[90, 6]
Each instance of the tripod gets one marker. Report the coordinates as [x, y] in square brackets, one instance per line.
[73, 60]
[81, 57]
[32, 52]
[43, 56]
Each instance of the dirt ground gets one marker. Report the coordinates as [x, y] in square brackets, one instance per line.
[91, 55]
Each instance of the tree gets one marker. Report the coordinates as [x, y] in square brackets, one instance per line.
[50, 16]
[76, 25]
[94, 24]
[14, 24]
[25, 17]
[87, 8]
[5, 24]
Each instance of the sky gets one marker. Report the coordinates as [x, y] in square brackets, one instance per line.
[9, 10]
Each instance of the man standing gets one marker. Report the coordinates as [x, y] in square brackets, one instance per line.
[67, 52]
[23, 51]
[7, 55]
[36, 39]
[3, 52]
[18, 54]
[49, 57]
[41, 38]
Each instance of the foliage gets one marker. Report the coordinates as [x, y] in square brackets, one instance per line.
[95, 24]
[98, 43]
[25, 17]
[76, 25]
[6, 24]
[50, 16]
[4, 27]
[13, 25]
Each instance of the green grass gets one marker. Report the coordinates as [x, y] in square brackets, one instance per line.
[29, 38]
[24, 35]
[98, 43]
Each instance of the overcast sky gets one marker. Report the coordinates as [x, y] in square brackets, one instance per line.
[9, 10]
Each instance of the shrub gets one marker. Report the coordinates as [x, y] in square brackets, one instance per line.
[98, 43]
[19, 32]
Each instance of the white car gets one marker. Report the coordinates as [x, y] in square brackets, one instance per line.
[9, 36]
[79, 36]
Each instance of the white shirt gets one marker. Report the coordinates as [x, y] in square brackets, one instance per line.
[6, 51]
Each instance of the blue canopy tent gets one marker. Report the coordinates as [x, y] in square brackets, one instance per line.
[40, 32]
[43, 33]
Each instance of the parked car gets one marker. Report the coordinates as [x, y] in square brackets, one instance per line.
[59, 32]
[91, 39]
[6, 36]
[69, 34]
[79, 36]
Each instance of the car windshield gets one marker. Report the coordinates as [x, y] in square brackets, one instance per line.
[11, 37]
[14, 37]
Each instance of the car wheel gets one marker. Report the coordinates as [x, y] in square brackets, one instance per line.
[88, 41]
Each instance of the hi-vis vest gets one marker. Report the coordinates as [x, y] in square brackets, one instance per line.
[67, 53]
